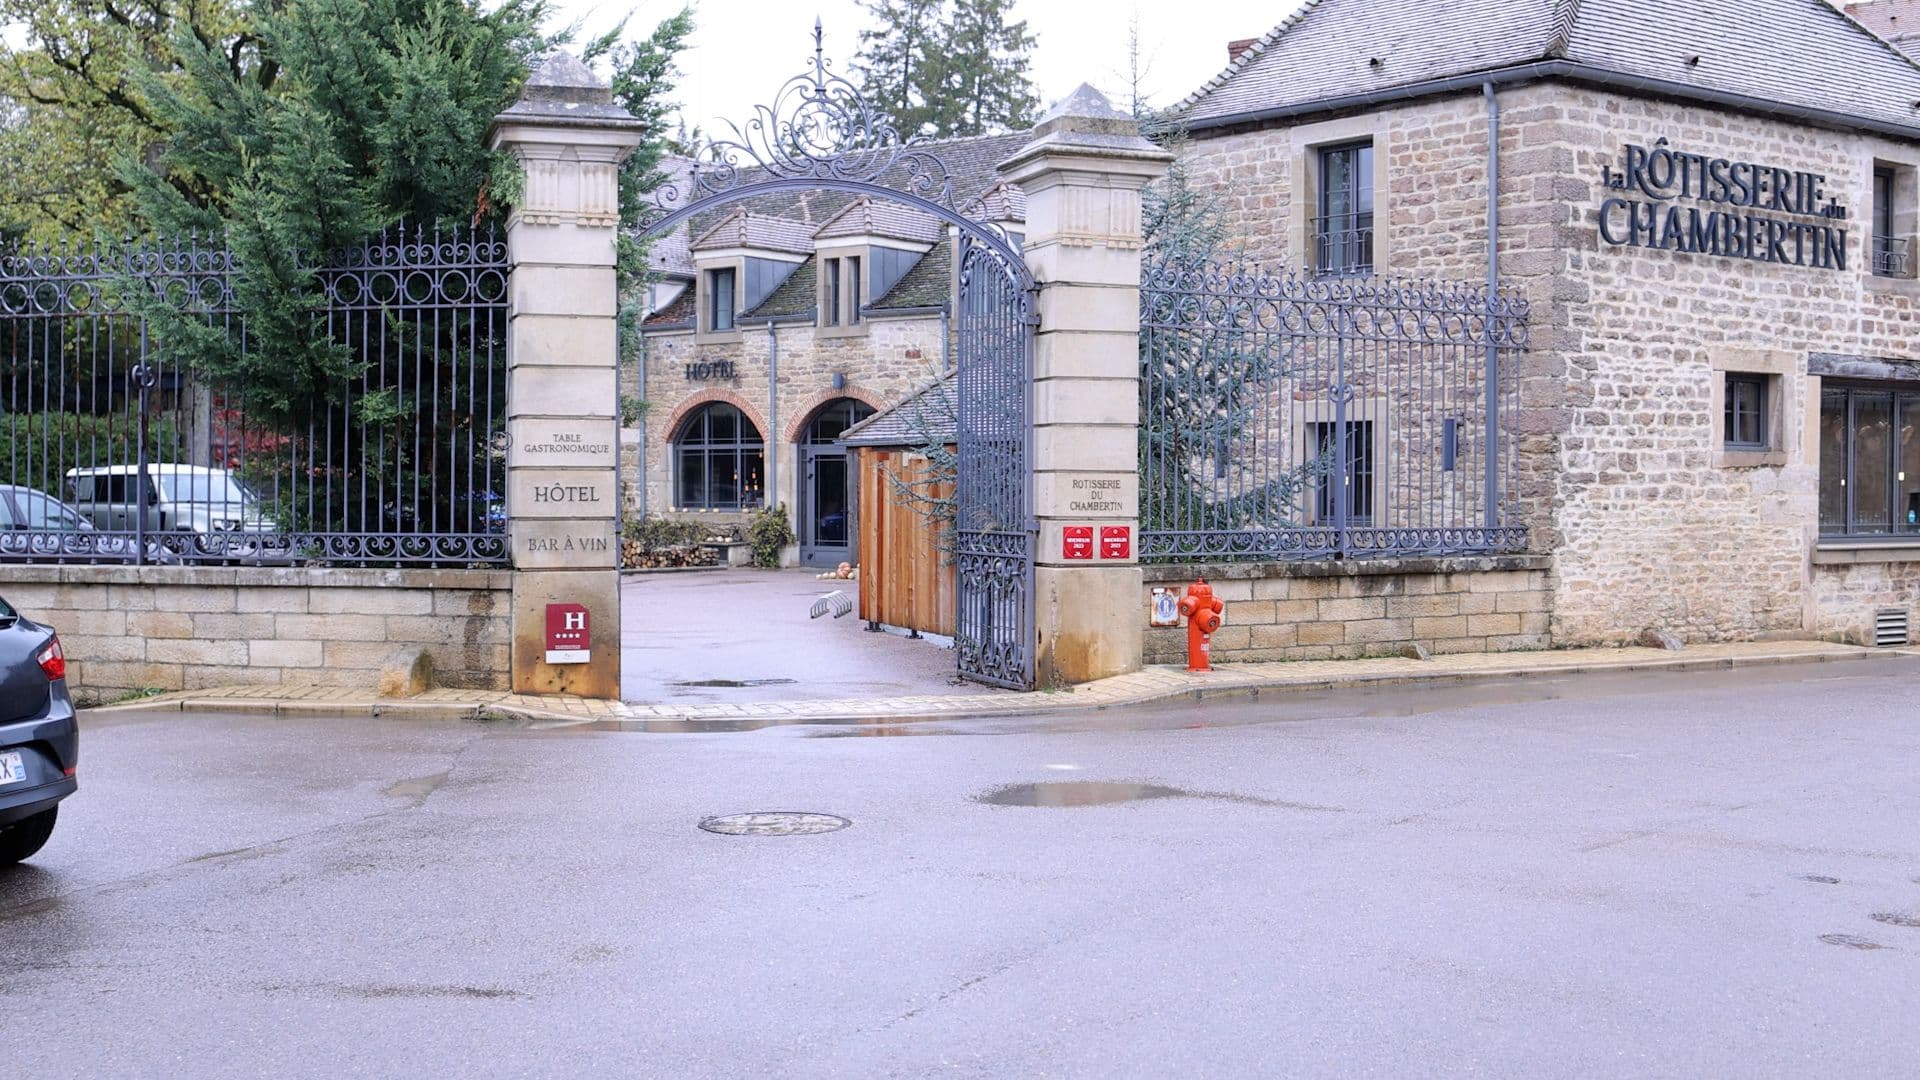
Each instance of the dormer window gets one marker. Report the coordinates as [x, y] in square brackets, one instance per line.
[720, 300]
[842, 290]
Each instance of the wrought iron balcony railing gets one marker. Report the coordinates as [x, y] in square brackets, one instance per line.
[1343, 245]
[1890, 256]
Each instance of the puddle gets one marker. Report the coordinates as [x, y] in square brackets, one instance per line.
[416, 788]
[1850, 941]
[1897, 918]
[1820, 879]
[1108, 793]
[734, 684]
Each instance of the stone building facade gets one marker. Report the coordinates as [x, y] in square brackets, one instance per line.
[781, 322]
[1719, 428]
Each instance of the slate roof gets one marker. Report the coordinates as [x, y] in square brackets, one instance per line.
[668, 253]
[928, 284]
[678, 312]
[869, 217]
[749, 230]
[927, 415]
[795, 296]
[1792, 53]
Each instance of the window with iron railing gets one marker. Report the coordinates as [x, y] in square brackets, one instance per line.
[1343, 226]
[1890, 255]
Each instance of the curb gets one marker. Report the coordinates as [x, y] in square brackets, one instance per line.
[1230, 686]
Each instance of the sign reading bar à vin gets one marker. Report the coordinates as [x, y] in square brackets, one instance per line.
[1740, 209]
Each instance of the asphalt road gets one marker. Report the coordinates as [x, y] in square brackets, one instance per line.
[1688, 875]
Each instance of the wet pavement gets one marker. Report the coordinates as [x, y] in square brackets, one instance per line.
[1648, 875]
[742, 636]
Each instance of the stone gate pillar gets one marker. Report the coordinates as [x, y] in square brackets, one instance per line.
[1082, 174]
[562, 358]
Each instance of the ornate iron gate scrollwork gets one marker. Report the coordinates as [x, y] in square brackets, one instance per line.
[994, 534]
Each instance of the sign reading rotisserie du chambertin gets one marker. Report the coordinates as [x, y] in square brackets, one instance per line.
[1674, 200]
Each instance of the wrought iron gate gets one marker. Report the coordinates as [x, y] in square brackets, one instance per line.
[994, 534]
[820, 135]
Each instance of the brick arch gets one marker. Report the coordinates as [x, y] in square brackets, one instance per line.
[815, 402]
[707, 397]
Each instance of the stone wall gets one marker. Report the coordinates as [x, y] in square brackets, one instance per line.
[1342, 610]
[892, 359]
[129, 628]
[1849, 587]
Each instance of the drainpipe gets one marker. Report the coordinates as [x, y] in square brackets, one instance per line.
[640, 391]
[1493, 285]
[773, 440]
[946, 349]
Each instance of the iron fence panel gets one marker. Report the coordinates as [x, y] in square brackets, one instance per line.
[1294, 417]
[120, 451]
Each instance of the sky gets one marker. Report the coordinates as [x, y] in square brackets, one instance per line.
[744, 50]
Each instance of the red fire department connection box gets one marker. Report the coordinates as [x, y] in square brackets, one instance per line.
[1076, 542]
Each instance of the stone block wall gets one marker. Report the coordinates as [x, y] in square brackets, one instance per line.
[1344, 610]
[128, 628]
[1848, 588]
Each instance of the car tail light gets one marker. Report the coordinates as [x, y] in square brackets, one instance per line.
[53, 661]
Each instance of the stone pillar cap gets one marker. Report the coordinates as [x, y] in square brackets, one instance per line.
[565, 92]
[1086, 124]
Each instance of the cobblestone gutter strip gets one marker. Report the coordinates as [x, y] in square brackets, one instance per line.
[1153, 684]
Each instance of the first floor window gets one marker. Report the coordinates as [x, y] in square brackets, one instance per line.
[1869, 461]
[1745, 416]
[719, 300]
[1330, 488]
[719, 460]
[853, 289]
[1343, 225]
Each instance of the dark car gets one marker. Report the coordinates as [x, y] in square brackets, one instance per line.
[39, 741]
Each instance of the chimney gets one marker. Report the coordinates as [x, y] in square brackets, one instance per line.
[1236, 49]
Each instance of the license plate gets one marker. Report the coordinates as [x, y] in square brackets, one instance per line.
[13, 767]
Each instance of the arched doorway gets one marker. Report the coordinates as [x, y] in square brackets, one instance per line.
[826, 516]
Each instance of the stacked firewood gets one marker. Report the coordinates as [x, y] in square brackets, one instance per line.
[636, 556]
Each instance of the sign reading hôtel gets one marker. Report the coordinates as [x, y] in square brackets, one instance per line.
[1679, 201]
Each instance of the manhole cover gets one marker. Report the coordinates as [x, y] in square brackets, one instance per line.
[1896, 918]
[773, 823]
[1850, 941]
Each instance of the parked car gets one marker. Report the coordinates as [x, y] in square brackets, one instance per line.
[208, 505]
[38, 526]
[39, 741]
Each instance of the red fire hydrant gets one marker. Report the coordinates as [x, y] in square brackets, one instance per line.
[1202, 610]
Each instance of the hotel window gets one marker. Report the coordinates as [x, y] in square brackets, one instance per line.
[853, 289]
[720, 300]
[831, 315]
[1869, 461]
[1343, 225]
[1893, 192]
[719, 460]
[1745, 419]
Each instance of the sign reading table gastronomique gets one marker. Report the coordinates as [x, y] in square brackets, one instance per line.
[1673, 200]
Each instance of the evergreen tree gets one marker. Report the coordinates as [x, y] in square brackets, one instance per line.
[982, 71]
[946, 68]
[897, 61]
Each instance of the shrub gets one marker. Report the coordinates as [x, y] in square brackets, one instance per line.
[767, 533]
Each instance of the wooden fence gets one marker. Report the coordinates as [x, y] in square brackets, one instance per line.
[905, 579]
